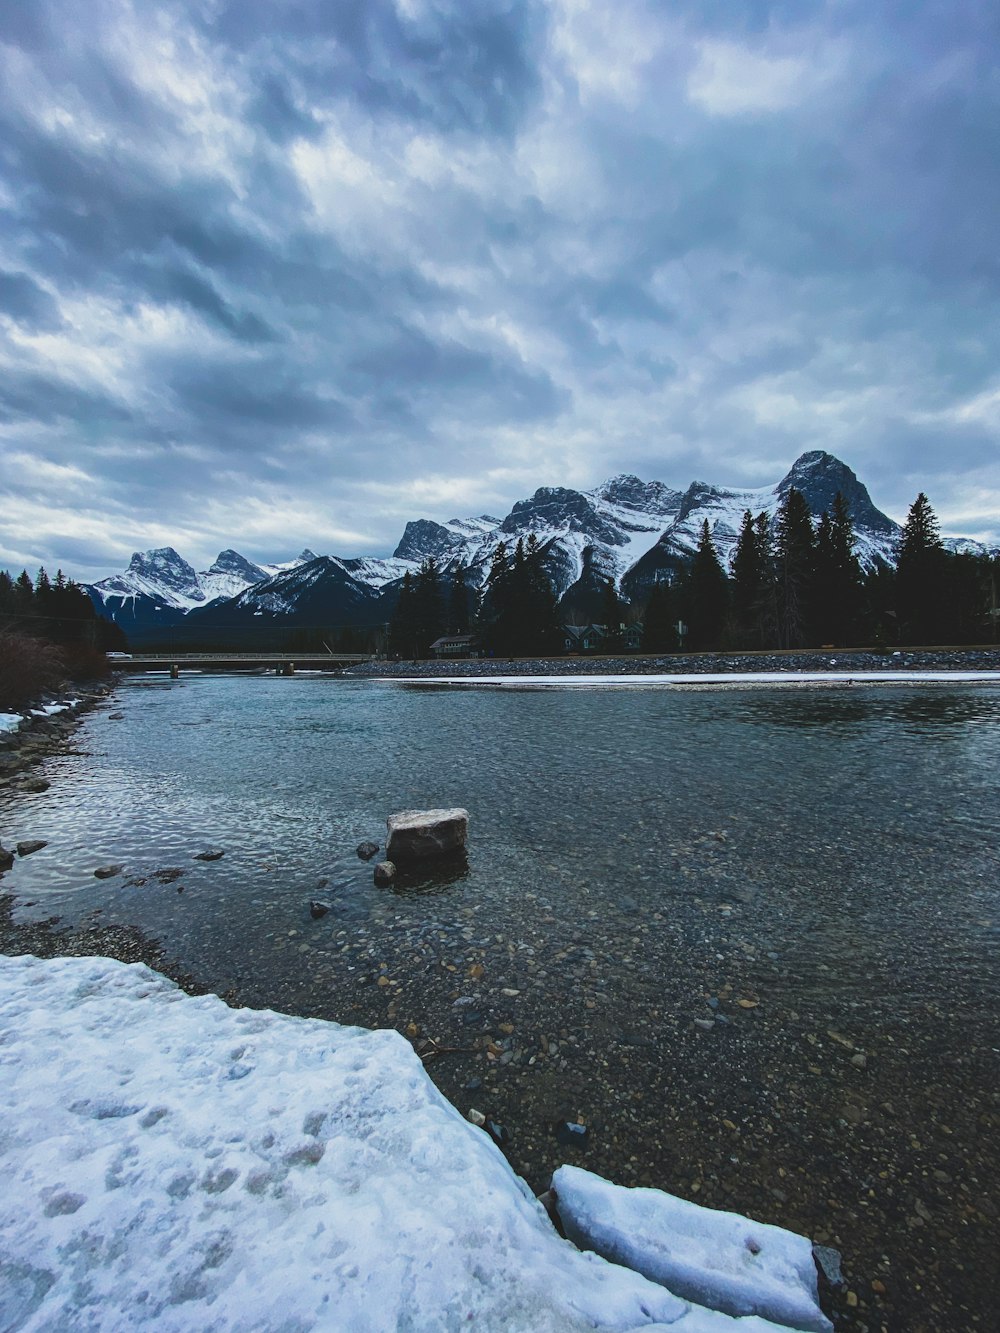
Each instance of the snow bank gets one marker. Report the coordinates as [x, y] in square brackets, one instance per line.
[10, 721]
[167, 1162]
[706, 678]
[719, 1259]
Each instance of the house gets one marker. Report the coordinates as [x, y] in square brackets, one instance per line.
[455, 645]
[596, 639]
[583, 638]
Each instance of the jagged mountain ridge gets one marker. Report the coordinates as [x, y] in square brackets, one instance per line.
[633, 531]
[159, 588]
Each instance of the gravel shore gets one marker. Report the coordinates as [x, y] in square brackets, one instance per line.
[924, 659]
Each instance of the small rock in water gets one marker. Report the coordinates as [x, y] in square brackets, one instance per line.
[106, 872]
[366, 850]
[385, 873]
[30, 845]
[859, 1061]
[212, 854]
[115, 717]
[572, 1134]
[828, 1263]
[318, 909]
[35, 785]
[6, 859]
[168, 874]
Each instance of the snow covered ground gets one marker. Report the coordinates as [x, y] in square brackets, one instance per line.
[11, 721]
[707, 678]
[719, 1259]
[167, 1162]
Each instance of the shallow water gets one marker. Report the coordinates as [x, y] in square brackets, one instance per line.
[640, 862]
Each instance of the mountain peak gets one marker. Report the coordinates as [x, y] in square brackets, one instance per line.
[164, 566]
[231, 562]
[819, 476]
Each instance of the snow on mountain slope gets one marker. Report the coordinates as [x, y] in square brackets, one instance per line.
[169, 581]
[816, 475]
[303, 558]
[229, 575]
[160, 574]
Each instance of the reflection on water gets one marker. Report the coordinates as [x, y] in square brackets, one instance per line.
[927, 710]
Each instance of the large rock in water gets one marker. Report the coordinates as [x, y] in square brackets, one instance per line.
[416, 835]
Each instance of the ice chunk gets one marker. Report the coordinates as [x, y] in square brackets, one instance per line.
[330, 1186]
[718, 1259]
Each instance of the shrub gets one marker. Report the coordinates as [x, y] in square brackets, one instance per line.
[28, 667]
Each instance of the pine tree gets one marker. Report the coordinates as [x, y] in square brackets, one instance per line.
[659, 627]
[748, 583]
[497, 601]
[540, 605]
[838, 579]
[920, 576]
[705, 595]
[403, 626]
[24, 593]
[428, 606]
[459, 611]
[612, 617]
[794, 550]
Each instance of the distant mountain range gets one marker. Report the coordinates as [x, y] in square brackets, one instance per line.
[635, 532]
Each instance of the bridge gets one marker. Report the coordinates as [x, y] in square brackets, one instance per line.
[283, 664]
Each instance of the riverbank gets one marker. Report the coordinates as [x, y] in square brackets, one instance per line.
[45, 729]
[855, 660]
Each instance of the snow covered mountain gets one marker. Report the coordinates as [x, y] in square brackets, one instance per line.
[159, 587]
[320, 592]
[632, 531]
[816, 475]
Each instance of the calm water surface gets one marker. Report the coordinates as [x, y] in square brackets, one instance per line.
[640, 863]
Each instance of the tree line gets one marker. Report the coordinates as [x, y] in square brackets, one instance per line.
[49, 630]
[517, 614]
[796, 583]
[793, 583]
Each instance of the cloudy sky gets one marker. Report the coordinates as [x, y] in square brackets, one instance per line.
[289, 272]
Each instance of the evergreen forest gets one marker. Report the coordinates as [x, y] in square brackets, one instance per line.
[792, 583]
[49, 631]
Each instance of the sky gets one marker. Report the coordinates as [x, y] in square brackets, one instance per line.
[286, 273]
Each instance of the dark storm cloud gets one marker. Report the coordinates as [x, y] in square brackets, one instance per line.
[25, 302]
[455, 67]
[34, 397]
[470, 249]
[256, 395]
[411, 361]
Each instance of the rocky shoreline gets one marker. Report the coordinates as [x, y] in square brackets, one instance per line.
[860, 660]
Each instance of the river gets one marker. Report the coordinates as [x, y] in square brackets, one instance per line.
[747, 936]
